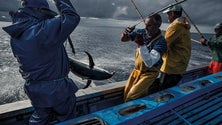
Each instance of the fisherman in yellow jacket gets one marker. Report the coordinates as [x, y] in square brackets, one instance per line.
[176, 59]
[151, 46]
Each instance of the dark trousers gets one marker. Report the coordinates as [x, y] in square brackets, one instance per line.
[155, 87]
[169, 80]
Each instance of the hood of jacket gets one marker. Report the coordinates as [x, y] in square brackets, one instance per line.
[182, 21]
[25, 18]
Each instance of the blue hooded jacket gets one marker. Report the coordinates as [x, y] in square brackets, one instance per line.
[37, 38]
[37, 41]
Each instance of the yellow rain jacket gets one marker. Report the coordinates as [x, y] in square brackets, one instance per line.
[177, 35]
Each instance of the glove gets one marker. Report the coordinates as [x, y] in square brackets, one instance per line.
[203, 41]
[139, 39]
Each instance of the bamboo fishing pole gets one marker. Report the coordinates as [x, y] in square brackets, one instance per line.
[137, 10]
[185, 13]
[160, 10]
[201, 35]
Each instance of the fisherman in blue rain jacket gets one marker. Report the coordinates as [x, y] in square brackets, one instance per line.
[37, 37]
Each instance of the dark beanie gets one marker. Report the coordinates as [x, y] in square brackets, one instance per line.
[218, 26]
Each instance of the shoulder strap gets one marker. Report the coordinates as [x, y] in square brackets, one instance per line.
[154, 39]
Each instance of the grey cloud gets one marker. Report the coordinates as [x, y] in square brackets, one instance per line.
[205, 12]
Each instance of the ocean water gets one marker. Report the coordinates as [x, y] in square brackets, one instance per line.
[99, 37]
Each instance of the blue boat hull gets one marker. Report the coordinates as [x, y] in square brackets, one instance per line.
[193, 103]
[92, 100]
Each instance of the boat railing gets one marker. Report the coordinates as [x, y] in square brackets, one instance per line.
[88, 100]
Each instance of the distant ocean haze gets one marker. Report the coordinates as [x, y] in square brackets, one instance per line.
[99, 37]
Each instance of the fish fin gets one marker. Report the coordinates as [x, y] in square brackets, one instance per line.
[87, 84]
[91, 62]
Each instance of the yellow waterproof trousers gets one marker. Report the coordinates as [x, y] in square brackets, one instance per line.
[138, 84]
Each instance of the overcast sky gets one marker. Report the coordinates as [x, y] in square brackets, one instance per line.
[203, 12]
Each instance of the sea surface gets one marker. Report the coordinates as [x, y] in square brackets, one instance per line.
[99, 37]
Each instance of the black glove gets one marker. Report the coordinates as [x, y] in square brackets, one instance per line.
[139, 39]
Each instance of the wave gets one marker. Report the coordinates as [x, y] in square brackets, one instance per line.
[99, 37]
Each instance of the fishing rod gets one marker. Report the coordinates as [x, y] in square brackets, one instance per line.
[201, 35]
[137, 10]
[185, 13]
[160, 10]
